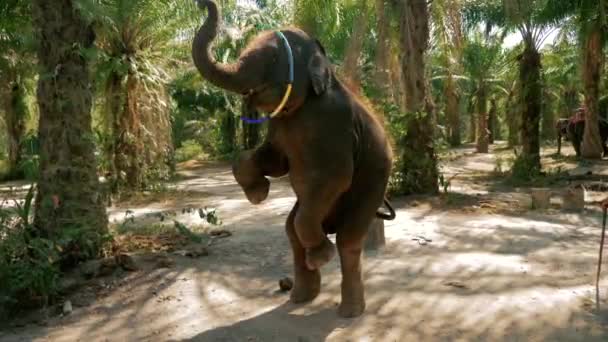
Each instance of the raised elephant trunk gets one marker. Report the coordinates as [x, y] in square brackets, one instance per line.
[226, 76]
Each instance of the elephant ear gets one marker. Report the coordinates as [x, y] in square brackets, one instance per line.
[319, 70]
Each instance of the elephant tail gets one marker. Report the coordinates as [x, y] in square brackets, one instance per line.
[384, 215]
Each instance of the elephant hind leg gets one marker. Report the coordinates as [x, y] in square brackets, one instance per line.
[307, 283]
[350, 238]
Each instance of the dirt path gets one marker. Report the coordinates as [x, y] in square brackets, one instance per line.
[483, 277]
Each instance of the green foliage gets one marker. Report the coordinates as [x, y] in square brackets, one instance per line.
[31, 263]
[445, 183]
[525, 168]
[318, 17]
[412, 174]
[29, 157]
[502, 165]
[29, 269]
[189, 150]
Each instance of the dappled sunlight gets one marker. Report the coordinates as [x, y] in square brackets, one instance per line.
[479, 276]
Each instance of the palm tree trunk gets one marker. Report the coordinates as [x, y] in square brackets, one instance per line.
[354, 49]
[493, 122]
[127, 156]
[482, 121]
[512, 117]
[397, 88]
[591, 147]
[571, 101]
[250, 132]
[68, 186]
[548, 119]
[114, 105]
[418, 159]
[472, 121]
[382, 64]
[531, 92]
[228, 133]
[15, 114]
[452, 112]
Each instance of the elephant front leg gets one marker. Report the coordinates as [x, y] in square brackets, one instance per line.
[250, 177]
[307, 283]
[252, 167]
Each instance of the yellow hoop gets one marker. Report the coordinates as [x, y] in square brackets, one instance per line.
[283, 102]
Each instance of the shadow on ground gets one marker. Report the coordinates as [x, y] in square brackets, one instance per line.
[482, 276]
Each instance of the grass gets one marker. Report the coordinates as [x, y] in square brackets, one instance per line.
[190, 150]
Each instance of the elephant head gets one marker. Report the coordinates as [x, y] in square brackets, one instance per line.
[261, 71]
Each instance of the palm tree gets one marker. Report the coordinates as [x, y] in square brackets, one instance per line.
[484, 65]
[16, 57]
[382, 52]
[355, 46]
[418, 162]
[448, 36]
[318, 18]
[562, 71]
[512, 114]
[137, 39]
[590, 15]
[68, 187]
[528, 18]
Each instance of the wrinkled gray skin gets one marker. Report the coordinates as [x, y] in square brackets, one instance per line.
[334, 149]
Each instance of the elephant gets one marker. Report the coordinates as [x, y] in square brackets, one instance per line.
[561, 128]
[333, 147]
[576, 128]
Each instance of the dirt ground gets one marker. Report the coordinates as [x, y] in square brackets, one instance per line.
[490, 270]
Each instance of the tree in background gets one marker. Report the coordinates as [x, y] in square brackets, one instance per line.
[590, 17]
[16, 58]
[562, 72]
[318, 18]
[381, 77]
[137, 40]
[593, 25]
[529, 19]
[447, 35]
[484, 66]
[351, 66]
[512, 114]
[493, 129]
[68, 188]
[418, 160]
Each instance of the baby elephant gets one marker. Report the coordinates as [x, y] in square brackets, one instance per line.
[334, 149]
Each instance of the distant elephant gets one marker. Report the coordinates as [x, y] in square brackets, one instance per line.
[333, 147]
[561, 128]
[576, 126]
[576, 129]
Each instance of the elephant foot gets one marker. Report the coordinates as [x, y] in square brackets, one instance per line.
[351, 309]
[353, 298]
[306, 288]
[318, 256]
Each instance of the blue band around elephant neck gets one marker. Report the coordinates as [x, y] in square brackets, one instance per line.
[289, 82]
